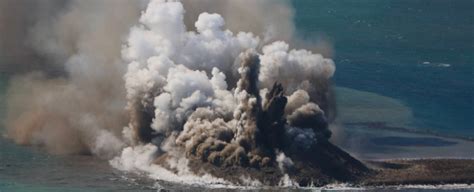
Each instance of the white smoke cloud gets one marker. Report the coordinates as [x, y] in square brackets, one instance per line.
[281, 64]
[284, 162]
[199, 86]
[195, 84]
[250, 16]
[82, 110]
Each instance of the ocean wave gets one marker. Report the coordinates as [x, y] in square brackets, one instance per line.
[435, 64]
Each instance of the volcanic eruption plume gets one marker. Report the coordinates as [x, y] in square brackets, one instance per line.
[200, 98]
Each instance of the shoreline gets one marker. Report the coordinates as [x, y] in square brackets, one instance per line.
[382, 179]
[372, 182]
[420, 172]
[392, 174]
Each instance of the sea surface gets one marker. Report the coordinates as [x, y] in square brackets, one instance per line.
[420, 52]
[405, 89]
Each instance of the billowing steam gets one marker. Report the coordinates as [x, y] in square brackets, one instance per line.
[209, 94]
[73, 103]
[197, 86]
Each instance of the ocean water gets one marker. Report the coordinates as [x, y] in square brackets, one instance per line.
[420, 52]
[407, 63]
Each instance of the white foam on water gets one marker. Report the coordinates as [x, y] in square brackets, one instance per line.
[139, 159]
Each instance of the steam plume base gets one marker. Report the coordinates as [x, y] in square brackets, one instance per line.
[381, 173]
[325, 164]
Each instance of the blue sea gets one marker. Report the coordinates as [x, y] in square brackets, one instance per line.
[420, 52]
[405, 63]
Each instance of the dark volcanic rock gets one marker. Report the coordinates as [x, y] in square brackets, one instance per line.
[265, 145]
[325, 164]
[423, 171]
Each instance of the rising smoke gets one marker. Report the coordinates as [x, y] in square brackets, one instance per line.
[211, 95]
[221, 87]
[73, 99]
